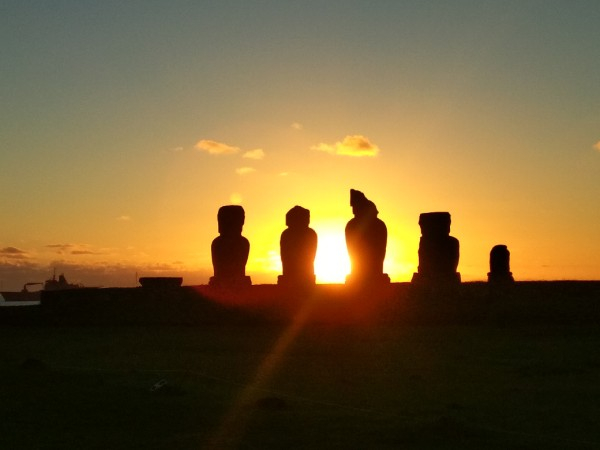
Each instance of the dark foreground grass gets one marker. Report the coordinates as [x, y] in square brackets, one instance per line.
[410, 387]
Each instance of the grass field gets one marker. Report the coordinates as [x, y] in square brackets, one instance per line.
[315, 386]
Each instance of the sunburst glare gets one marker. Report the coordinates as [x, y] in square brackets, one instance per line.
[332, 263]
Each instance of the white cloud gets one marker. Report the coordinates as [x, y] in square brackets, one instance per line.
[355, 145]
[216, 148]
[245, 170]
[297, 126]
[235, 198]
[257, 153]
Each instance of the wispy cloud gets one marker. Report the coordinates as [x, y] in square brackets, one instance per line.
[355, 145]
[597, 146]
[124, 218]
[60, 248]
[258, 153]
[297, 126]
[13, 253]
[73, 249]
[245, 170]
[216, 148]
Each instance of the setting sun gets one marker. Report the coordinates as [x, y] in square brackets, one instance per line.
[125, 172]
[332, 263]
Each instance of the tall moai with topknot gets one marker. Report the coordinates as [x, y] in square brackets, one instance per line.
[366, 241]
[500, 273]
[438, 252]
[298, 247]
[230, 249]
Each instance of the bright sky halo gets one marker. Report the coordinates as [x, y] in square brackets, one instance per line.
[509, 144]
[332, 263]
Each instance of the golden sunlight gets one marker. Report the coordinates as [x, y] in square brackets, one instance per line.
[331, 263]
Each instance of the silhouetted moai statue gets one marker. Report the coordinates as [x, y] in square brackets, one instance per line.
[500, 266]
[438, 252]
[298, 246]
[366, 240]
[230, 249]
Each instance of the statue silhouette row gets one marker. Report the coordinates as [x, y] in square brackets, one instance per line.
[366, 241]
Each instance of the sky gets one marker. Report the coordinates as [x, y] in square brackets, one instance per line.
[124, 126]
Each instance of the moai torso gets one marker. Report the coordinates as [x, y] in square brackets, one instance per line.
[298, 246]
[366, 240]
[438, 251]
[230, 249]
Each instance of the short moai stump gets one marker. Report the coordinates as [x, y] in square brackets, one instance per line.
[500, 274]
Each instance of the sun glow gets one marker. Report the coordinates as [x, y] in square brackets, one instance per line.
[331, 263]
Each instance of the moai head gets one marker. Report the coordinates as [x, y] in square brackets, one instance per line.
[361, 205]
[435, 224]
[231, 219]
[357, 201]
[370, 210]
[297, 217]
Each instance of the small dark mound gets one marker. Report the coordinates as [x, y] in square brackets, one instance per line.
[448, 429]
[163, 387]
[33, 364]
[271, 403]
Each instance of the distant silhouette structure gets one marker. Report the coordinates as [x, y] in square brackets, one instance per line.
[298, 247]
[500, 273]
[230, 249]
[58, 285]
[438, 252]
[366, 240]
[161, 283]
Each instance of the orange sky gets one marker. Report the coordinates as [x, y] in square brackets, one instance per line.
[124, 129]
